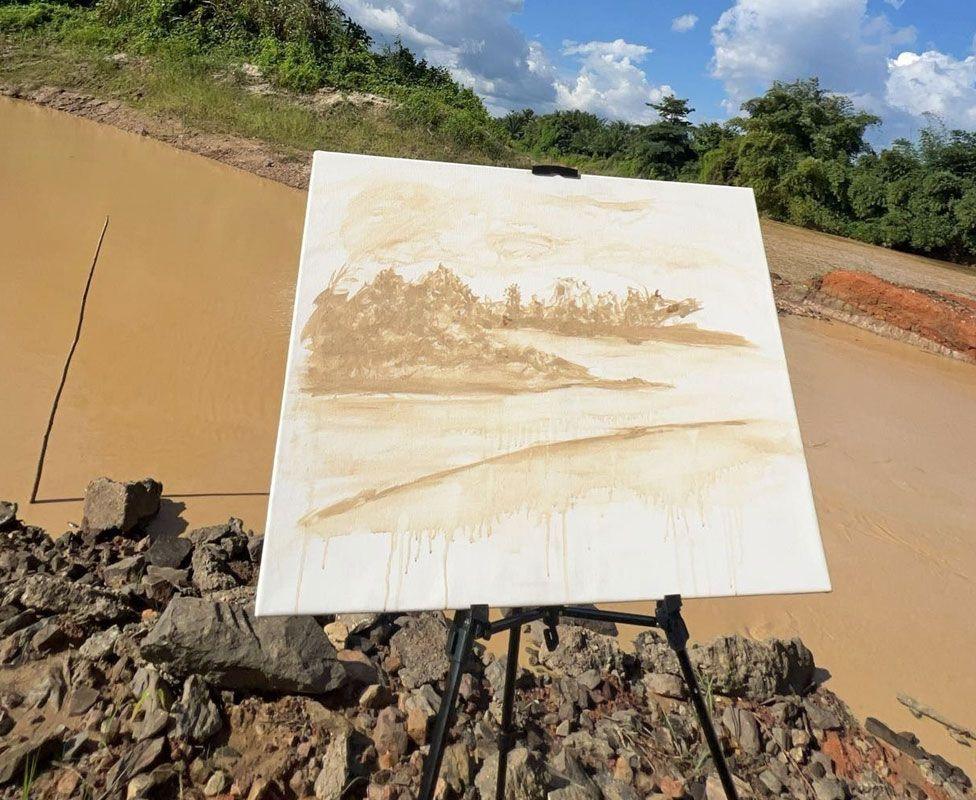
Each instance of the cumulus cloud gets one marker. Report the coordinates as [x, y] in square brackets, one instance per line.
[758, 41]
[934, 83]
[609, 81]
[474, 39]
[477, 42]
[684, 23]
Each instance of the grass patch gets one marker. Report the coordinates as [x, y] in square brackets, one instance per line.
[203, 94]
[182, 67]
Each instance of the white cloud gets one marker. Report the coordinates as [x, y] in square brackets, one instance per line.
[609, 81]
[477, 42]
[474, 39]
[934, 83]
[895, 4]
[759, 41]
[684, 23]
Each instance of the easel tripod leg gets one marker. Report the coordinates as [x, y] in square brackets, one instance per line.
[507, 733]
[462, 639]
[669, 618]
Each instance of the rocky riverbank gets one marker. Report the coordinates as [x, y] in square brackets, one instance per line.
[132, 666]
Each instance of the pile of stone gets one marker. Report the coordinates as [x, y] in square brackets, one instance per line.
[133, 667]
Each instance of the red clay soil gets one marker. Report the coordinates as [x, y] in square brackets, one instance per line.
[946, 319]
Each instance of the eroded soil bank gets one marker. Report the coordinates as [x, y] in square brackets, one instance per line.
[179, 369]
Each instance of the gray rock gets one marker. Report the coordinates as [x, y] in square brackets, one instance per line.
[357, 623]
[81, 699]
[210, 569]
[390, 734]
[665, 685]
[424, 699]
[456, 769]
[570, 779]
[908, 744]
[229, 535]
[111, 505]
[334, 775]
[590, 679]
[83, 603]
[744, 729]
[169, 551]
[125, 571]
[535, 629]
[100, 644]
[581, 650]
[154, 722]
[770, 781]
[421, 643]
[737, 666]
[591, 749]
[49, 691]
[829, 789]
[820, 717]
[151, 784]
[17, 622]
[42, 747]
[612, 789]
[715, 791]
[8, 514]
[526, 776]
[573, 792]
[218, 783]
[237, 651]
[197, 716]
[178, 578]
[375, 697]
[255, 547]
[49, 638]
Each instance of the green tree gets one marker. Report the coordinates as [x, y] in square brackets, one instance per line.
[797, 149]
[663, 149]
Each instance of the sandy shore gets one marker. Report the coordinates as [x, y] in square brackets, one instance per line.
[182, 357]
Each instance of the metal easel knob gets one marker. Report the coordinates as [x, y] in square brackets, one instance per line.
[550, 634]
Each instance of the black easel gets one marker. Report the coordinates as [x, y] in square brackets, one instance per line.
[471, 624]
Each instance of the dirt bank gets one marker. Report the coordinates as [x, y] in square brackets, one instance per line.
[938, 321]
[290, 167]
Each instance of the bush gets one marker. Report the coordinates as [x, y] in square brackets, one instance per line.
[290, 65]
[20, 18]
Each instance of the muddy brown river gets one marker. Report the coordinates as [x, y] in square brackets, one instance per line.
[179, 367]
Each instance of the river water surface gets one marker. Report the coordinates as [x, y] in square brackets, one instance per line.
[179, 368]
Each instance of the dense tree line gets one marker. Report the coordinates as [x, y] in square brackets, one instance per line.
[803, 151]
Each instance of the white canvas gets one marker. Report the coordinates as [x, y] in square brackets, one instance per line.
[617, 426]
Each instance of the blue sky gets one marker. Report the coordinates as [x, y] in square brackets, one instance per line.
[901, 59]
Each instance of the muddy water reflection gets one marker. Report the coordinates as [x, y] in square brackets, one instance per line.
[178, 371]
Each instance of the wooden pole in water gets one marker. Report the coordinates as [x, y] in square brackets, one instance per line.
[67, 365]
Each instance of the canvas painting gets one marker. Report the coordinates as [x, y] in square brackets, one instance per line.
[512, 389]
